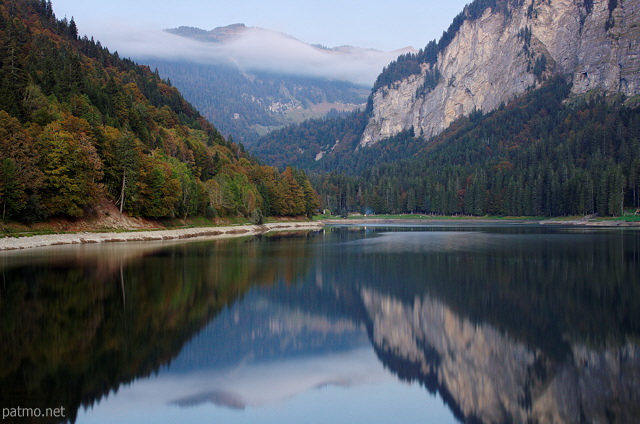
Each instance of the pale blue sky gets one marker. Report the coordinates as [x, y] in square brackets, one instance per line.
[385, 25]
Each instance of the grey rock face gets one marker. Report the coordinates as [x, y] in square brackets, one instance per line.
[499, 56]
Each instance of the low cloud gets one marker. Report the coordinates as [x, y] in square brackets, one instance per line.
[254, 49]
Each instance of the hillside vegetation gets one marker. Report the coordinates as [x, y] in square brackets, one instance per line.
[79, 124]
[541, 155]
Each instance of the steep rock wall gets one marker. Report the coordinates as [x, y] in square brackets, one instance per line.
[498, 56]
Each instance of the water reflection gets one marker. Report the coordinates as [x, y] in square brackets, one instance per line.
[254, 385]
[78, 322]
[508, 328]
[487, 376]
[505, 324]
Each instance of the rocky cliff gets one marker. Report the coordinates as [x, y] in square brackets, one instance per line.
[507, 49]
[488, 377]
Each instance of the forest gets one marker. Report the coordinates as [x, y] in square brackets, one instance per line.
[540, 155]
[79, 124]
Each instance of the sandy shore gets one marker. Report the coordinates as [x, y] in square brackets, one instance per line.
[16, 243]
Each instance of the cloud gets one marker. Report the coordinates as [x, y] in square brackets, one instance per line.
[254, 49]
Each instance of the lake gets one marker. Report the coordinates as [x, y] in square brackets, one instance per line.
[480, 323]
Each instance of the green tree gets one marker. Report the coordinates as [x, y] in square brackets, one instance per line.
[9, 190]
[13, 76]
[126, 165]
[72, 171]
[20, 177]
[311, 201]
[160, 188]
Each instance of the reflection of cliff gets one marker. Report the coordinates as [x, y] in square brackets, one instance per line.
[488, 377]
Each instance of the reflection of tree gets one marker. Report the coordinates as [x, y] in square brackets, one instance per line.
[69, 337]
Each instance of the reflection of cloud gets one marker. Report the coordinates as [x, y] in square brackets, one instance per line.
[255, 49]
[217, 397]
[273, 382]
[247, 385]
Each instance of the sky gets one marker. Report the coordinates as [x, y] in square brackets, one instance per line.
[132, 26]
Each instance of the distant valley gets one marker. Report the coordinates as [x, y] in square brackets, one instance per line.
[248, 105]
[249, 81]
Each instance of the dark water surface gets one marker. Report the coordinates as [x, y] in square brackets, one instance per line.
[424, 324]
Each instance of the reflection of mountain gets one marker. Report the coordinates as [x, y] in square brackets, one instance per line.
[488, 377]
[259, 329]
[247, 384]
[250, 384]
[507, 324]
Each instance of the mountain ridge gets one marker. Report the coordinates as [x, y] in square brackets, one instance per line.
[216, 35]
[229, 32]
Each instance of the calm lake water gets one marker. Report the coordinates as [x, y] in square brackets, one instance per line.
[425, 324]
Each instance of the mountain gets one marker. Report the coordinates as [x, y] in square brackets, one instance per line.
[495, 50]
[249, 81]
[79, 126]
[521, 108]
[246, 105]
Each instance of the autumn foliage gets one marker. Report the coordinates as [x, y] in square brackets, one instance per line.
[79, 124]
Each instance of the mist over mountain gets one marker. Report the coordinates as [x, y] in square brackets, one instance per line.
[260, 49]
[249, 81]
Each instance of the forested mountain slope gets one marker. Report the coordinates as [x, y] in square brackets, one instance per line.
[538, 156]
[79, 124]
[463, 126]
[493, 52]
[249, 81]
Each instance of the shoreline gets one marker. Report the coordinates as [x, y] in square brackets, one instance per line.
[10, 243]
[28, 242]
[465, 221]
